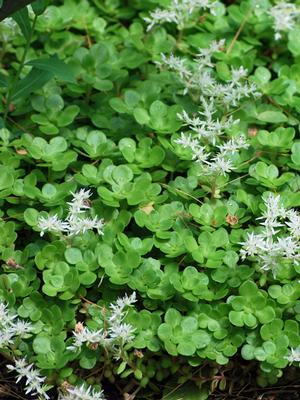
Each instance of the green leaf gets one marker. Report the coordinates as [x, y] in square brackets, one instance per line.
[186, 348]
[248, 289]
[3, 80]
[127, 147]
[274, 117]
[296, 153]
[73, 255]
[294, 41]
[263, 75]
[39, 6]
[6, 178]
[141, 116]
[33, 81]
[87, 278]
[22, 19]
[49, 190]
[42, 345]
[56, 67]
[31, 216]
[236, 318]
[173, 317]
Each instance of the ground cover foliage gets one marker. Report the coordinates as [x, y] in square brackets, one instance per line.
[149, 185]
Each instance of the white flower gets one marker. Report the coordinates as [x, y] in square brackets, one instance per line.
[21, 328]
[294, 355]
[76, 221]
[6, 338]
[79, 202]
[253, 245]
[123, 332]
[179, 12]
[126, 301]
[207, 127]
[87, 336]
[293, 223]
[11, 326]
[177, 64]
[82, 393]
[233, 145]
[203, 57]
[284, 16]
[34, 381]
[186, 141]
[272, 246]
[51, 223]
[118, 308]
[117, 330]
[5, 316]
[221, 165]
[81, 225]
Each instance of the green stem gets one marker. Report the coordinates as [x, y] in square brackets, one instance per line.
[19, 71]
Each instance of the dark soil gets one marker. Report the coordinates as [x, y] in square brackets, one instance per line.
[240, 385]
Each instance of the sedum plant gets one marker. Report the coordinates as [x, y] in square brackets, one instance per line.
[149, 190]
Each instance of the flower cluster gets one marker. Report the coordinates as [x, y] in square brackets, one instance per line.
[34, 381]
[199, 76]
[179, 12]
[115, 336]
[294, 355]
[76, 221]
[272, 247]
[284, 16]
[81, 393]
[208, 130]
[11, 327]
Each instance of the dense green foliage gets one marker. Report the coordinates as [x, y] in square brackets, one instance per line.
[93, 107]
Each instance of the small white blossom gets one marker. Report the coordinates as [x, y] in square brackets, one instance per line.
[51, 223]
[293, 223]
[179, 12]
[79, 202]
[87, 336]
[253, 245]
[34, 381]
[272, 246]
[78, 225]
[76, 221]
[284, 16]
[82, 393]
[123, 332]
[233, 145]
[187, 141]
[117, 334]
[221, 165]
[6, 338]
[176, 64]
[294, 355]
[21, 328]
[11, 326]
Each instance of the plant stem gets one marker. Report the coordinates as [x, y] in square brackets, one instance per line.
[241, 27]
[21, 66]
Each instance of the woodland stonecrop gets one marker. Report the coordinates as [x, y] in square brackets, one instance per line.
[149, 148]
[76, 221]
[278, 240]
[115, 335]
[179, 12]
[285, 17]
